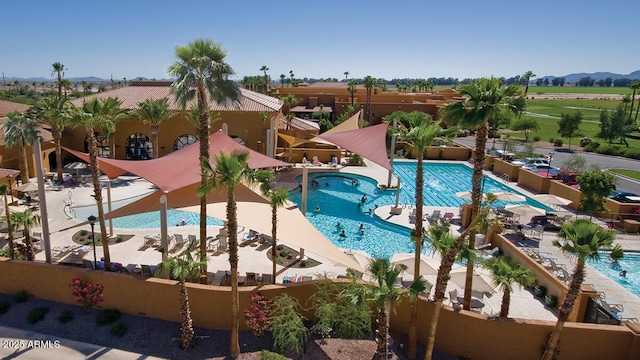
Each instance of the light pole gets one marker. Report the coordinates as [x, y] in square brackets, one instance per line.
[550, 158]
[92, 222]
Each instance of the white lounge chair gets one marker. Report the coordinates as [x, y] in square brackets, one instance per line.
[490, 254]
[453, 298]
[537, 232]
[620, 315]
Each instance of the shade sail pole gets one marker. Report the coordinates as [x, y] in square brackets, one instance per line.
[392, 151]
[305, 179]
[43, 201]
[109, 205]
[163, 227]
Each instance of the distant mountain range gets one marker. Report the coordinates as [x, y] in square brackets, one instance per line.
[73, 79]
[574, 78]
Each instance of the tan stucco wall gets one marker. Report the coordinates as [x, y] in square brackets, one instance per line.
[501, 167]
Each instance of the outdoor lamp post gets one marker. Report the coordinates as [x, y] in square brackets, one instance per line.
[550, 158]
[92, 222]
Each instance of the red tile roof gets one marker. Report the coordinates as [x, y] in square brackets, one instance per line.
[8, 106]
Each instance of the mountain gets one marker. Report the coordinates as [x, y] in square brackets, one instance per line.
[574, 78]
[93, 79]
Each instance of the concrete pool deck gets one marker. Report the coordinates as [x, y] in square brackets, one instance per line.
[254, 258]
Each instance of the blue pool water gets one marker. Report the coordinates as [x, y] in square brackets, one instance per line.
[149, 220]
[339, 202]
[630, 262]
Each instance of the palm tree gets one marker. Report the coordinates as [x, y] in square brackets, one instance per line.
[582, 239]
[228, 173]
[352, 88]
[203, 74]
[283, 80]
[20, 130]
[94, 114]
[383, 294]
[277, 198]
[183, 268]
[487, 99]
[504, 272]
[55, 112]
[153, 112]
[419, 134]
[289, 101]
[634, 85]
[25, 220]
[369, 84]
[527, 76]
[4, 190]
[58, 69]
[346, 75]
[264, 69]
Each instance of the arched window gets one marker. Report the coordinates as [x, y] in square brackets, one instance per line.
[138, 147]
[182, 141]
[239, 140]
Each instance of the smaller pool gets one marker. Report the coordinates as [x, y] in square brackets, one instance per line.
[630, 263]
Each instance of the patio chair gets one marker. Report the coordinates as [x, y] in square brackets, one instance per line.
[412, 216]
[223, 242]
[146, 271]
[251, 279]
[490, 254]
[87, 264]
[537, 232]
[620, 315]
[447, 217]
[435, 216]
[193, 242]
[453, 298]
[267, 279]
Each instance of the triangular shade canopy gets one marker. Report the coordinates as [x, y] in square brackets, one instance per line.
[180, 168]
[368, 142]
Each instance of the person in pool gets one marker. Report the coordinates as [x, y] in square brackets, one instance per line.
[623, 273]
[343, 233]
[317, 210]
[338, 224]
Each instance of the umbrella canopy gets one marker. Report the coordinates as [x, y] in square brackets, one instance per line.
[428, 266]
[509, 196]
[525, 211]
[551, 199]
[362, 257]
[466, 195]
[28, 187]
[77, 166]
[481, 281]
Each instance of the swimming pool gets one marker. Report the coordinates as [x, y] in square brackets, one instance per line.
[148, 220]
[630, 262]
[340, 201]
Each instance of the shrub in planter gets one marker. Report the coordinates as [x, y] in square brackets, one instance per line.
[107, 316]
[4, 307]
[21, 297]
[118, 329]
[36, 315]
[539, 291]
[65, 317]
[268, 355]
[592, 146]
[557, 142]
[536, 138]
[551, 300]
[584, 141]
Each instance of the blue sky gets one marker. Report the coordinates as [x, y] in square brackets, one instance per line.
[384, 39]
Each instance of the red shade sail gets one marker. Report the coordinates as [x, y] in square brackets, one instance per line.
[368, 142]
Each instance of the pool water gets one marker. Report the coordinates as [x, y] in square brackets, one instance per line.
[630, 262]
[148, 220]
[340, 201]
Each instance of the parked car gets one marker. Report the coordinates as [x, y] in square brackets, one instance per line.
[624, 196]
[528, 162]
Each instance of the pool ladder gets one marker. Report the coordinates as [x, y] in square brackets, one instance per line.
[505, 178]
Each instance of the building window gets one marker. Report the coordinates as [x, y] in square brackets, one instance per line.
[182, 141]
[138, 147]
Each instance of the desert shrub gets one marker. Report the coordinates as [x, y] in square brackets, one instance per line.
[609, 149]
[119, 239]
[65, 317]
[107, 316]
[285, 253]
[279, 247]
[463, 133]
[21, 297]
[84, 232]
[552, 140]
[632, 153]
[536, 138]
[36, 315]
[304, 263]
[584, 141]
[118, 329]
[356, 160]
[592, 146]
[4, 307]
[557, 142]
[268, 355]
[6, 252]
[287, 325]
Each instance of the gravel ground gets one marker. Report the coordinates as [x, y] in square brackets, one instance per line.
[161, 338]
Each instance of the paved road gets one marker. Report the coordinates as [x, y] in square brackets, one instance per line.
[601, 161]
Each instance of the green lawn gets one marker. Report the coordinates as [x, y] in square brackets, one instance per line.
[634, 174]
[579, 90]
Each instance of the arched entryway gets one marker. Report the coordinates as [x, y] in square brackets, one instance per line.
[183, 140]
[239, 140]
[138, 147]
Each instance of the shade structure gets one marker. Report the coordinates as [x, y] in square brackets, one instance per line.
[27, 187]
[480, 282]
[509, 196]
[368, 142]
[77, 166]
[525, 211]
[466, 195]
[551, 199]
[428, 266]
[360, 256]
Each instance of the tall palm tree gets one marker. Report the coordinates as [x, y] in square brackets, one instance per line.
[289, 101]
[153, 112]
[264, 69]
[54, 112]
[203, 74]
[369, 84]
[25, 220]
[283, 80]
[277, 198]
[504, 273]
[486, 99]
[183, 268]
[98, 114]
[346, 75]
[582, 239]
[352, 88]
[4, 190]
[228, 173]
[20, 130]
[419, 134]
[634, 85]
[528, 75]
[58, 69]
[383, 294]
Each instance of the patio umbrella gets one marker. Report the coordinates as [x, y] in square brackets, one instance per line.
[481, 281]
[509, 196]
[77, 166]
[27, 187]
[361, 256]
[467, 195]
[428, 266]
[551, 199]
[525, 211]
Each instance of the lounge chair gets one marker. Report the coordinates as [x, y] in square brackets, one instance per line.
[620, 315]
[146, 271]
[193, 242]
[53, 186]
[447, 217]
[453, 298]
[87, 264]
[251, 279]
[490, 254]
[223, 242]
[212, 244]
[412, 216]
[537, 232]
[267, 279]
[435, 216]
[316, 162]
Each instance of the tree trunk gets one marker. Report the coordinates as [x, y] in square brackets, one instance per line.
[57, 136]
[97, 194]
[431, 340]
[203, 134]
[24, 166]
[274, 225]
[29, 244]
[234, 346]
[411, 348]
[186, 329]
[506, 302]
[154, 140]
[383, 335]
[10, 233]
[567, 306]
